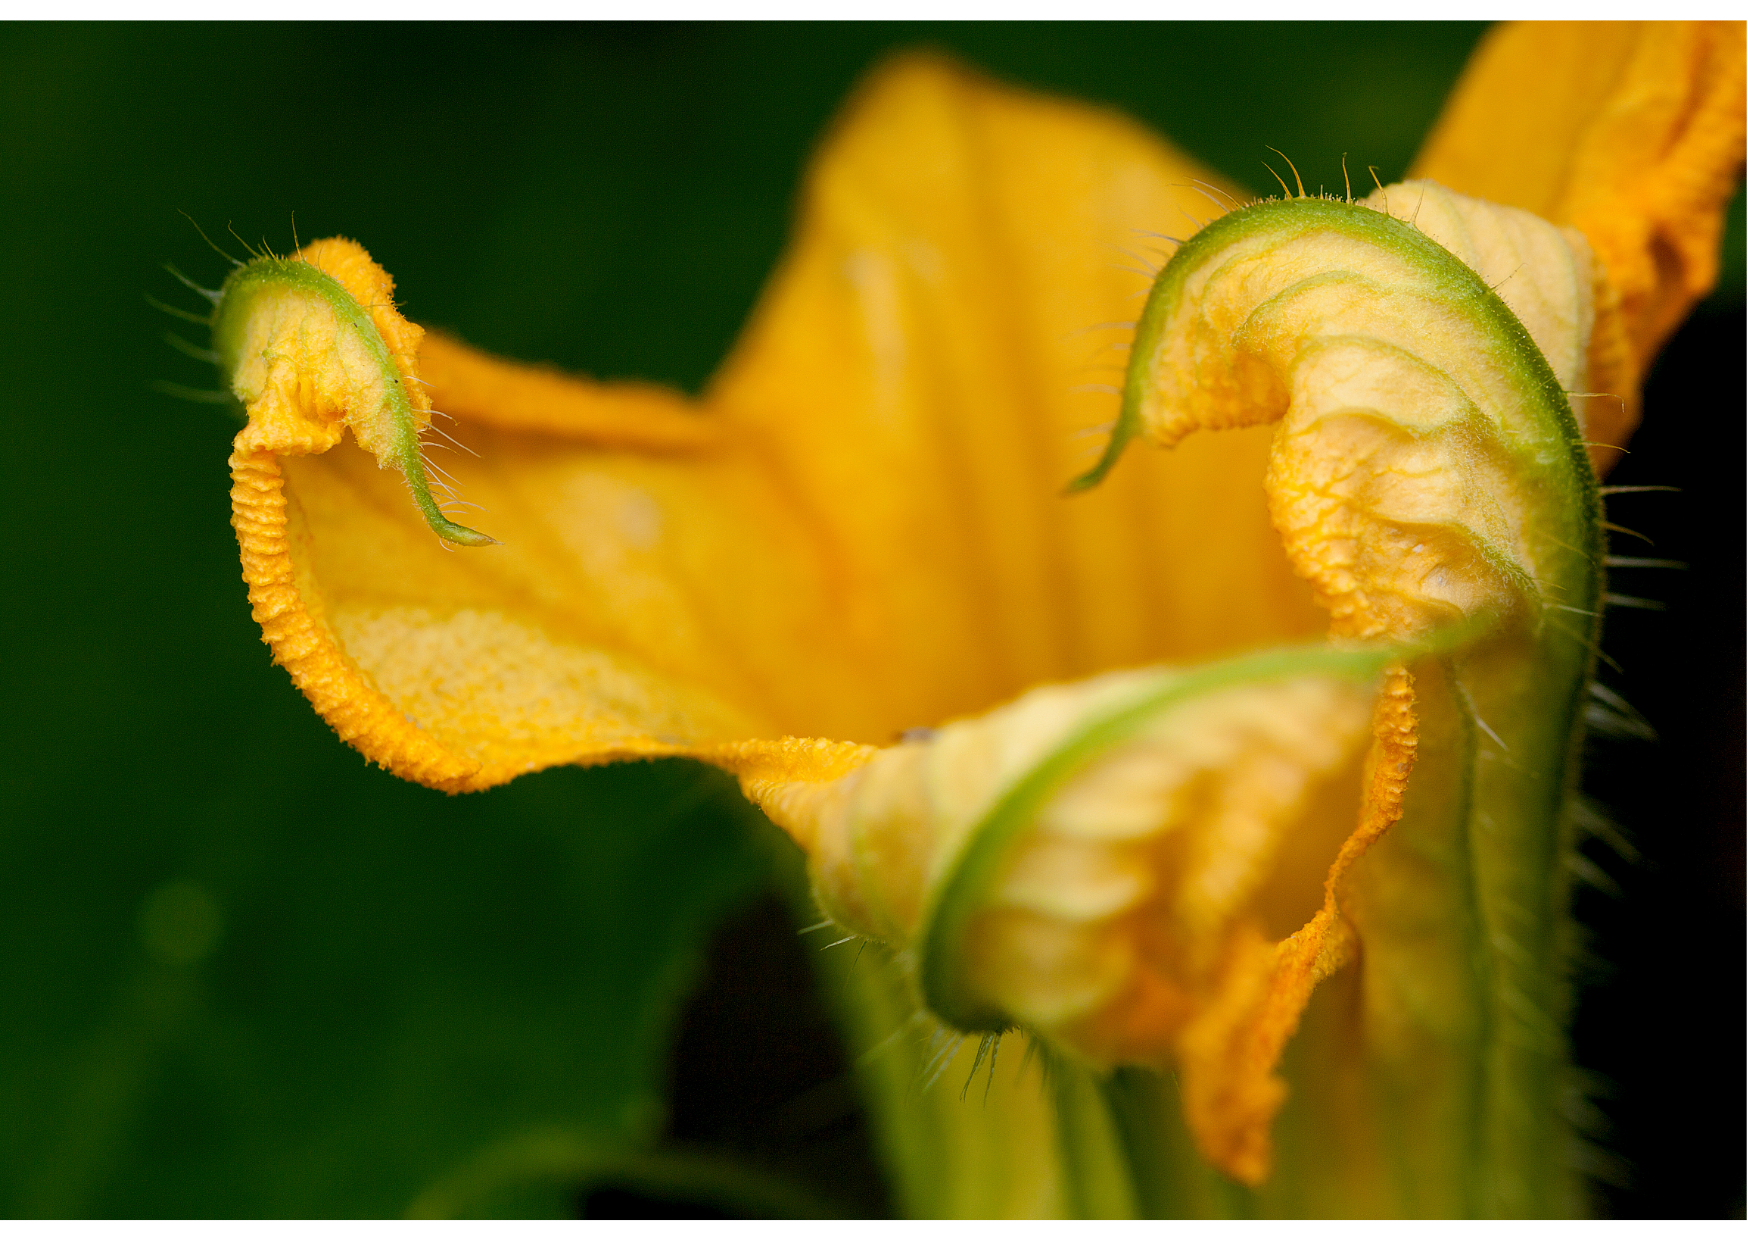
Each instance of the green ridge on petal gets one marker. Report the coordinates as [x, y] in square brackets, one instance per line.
[269, 274]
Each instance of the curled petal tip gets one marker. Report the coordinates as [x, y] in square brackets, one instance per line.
[1405, 387]
[313, 344]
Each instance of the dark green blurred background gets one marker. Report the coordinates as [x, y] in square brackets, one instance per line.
[242, 974]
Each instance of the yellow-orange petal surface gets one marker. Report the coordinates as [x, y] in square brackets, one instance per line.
[859, 529]
[1632, 132]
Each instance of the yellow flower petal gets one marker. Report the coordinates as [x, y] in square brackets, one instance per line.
[1543, 273]
[1633, 133]
[957, 243]
[1421, 474]
[1427, 469]
[1128, 865]
[859, 530]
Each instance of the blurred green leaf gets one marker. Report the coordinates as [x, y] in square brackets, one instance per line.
[402, 979]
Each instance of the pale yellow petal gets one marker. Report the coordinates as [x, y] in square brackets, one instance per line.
[1149, 900]
[1545, 275]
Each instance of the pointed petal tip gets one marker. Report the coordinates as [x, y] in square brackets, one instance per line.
[1092, 477]
[462, 536]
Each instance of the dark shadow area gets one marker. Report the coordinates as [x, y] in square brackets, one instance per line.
[759, 1069]
[1660, 1023]
[613, 1201]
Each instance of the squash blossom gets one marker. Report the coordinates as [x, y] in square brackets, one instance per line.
[1135, 770]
